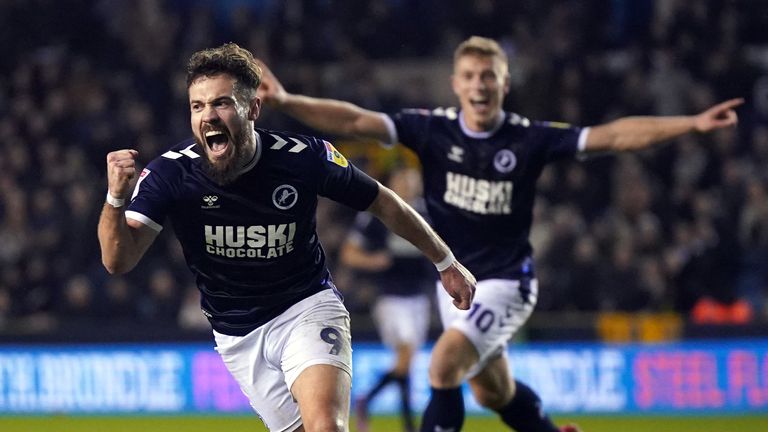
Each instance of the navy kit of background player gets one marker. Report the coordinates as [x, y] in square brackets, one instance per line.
[480, 165]
[242, 201]
[402, 278]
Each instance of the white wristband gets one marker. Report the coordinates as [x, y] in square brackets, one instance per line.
[446, 262]
[115, 202]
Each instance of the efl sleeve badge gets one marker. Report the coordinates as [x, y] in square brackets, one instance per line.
[334, 155]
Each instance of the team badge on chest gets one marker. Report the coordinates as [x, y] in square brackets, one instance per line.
[284, 197]
[504, 161]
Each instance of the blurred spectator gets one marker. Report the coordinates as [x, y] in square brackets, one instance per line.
[120, 300]
[160, 304]
[190, 315]
[77, 305]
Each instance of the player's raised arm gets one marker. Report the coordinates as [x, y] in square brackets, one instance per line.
[327, 115]
[403, 220]
[634, 133]
[123, 242]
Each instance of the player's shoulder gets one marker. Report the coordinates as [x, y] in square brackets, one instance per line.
[518, 121]
[176, 159]
[515, 120]
[438, 114]
[290, 144]
[295, 148]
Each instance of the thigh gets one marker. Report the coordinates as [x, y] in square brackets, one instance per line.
[498, 311]
[267, 361]
[321, 335]
[317, 362]
[322, 392]
[452, 357]
[259, 378]
[492, 386]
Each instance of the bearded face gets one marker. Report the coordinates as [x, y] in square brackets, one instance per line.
[227, 154]
[222, 125]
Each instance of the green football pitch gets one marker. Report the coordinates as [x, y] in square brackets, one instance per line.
[740, 423]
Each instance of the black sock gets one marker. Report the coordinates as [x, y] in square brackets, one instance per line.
[404, 382]
[445, 409]
[524, 413]
[383, 381]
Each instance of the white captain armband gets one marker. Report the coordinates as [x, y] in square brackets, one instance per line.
[446, 262]
[115, 202]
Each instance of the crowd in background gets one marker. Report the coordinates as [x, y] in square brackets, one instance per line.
[683, 227]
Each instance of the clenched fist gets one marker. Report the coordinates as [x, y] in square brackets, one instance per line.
[460, 284]
[121, 169]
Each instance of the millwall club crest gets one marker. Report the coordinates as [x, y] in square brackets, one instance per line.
[284, 197]
[210, 202]
[504, 161]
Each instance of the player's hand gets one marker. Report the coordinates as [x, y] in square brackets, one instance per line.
[121, 169]
[270, 90]
[719, 116]
[459, 283]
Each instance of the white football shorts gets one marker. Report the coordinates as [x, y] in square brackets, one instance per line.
[499, 309]
[402, 320]
[267, 361]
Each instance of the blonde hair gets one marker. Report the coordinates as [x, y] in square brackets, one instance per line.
[478, 45]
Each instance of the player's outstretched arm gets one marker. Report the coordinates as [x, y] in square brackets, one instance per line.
[635, 133]
[326, 115]
[403, 220]
[123, 242]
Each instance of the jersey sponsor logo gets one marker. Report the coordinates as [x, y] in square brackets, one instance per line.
[456, 154]
[255, 241]
[284, 197]
[478, 195]
[504, 161]
[210, 202]
[334, 155]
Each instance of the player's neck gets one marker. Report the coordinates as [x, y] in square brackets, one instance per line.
[255, 154]
[478, 129]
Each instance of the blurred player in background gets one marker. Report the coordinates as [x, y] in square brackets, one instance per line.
[402, 277]
[242, 202]
[480, 165]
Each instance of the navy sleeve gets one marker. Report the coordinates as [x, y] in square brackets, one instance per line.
[560, 140]
[343, 182]
[152, 196]
[412, 126]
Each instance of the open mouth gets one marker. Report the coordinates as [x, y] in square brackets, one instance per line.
[217, 141]
[480, 104]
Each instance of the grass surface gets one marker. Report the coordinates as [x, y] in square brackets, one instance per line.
[744, 423]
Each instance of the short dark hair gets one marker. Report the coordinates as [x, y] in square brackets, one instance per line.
[231, 59]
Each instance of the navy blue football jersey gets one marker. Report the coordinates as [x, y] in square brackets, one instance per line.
[410, 273]
[480, 187]
[251, 244]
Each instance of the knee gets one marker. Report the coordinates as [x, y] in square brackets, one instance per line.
[452, 358]
[444, 373]
[494, 399]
